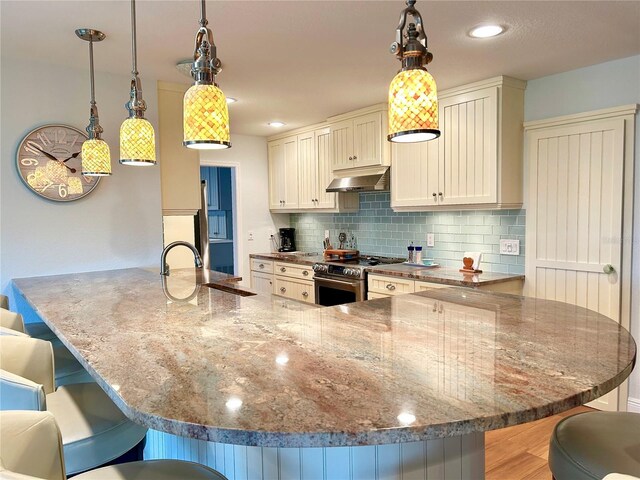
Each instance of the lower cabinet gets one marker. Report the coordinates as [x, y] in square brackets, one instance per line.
[262, 282]
[295, 289]
[381, 286]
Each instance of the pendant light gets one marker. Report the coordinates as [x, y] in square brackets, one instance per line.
[205, 112]
[137, 138]
[413, 99]
[96, 157]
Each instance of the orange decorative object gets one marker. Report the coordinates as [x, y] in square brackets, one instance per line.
[413, 107]
[206, 118]
[96, 158]
[137, 142]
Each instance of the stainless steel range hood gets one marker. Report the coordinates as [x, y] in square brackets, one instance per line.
[378, 182]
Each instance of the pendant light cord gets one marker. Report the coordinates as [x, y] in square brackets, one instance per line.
[93, 94]
[134, 50]
[203, 14]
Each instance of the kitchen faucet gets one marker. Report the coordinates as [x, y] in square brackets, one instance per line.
[164, 267]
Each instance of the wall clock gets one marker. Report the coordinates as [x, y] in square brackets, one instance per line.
[49, 162]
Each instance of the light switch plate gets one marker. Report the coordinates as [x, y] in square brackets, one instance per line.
[431, 241]
[510, 247]
[250, 236]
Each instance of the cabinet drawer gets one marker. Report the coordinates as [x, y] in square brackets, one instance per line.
[295, 289]
[421, 286]
[390, 285]
[258, 265]
[303, 272]
[373, 295]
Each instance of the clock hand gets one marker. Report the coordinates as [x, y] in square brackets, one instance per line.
[47, 154]
[75, 155]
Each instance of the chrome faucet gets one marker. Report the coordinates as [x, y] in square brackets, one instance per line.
[164, 267]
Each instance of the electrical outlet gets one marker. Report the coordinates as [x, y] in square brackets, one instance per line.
[431, 240]
[250, 236]
[326, 234]
[510, 247]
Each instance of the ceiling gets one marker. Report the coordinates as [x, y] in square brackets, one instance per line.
[302, 61]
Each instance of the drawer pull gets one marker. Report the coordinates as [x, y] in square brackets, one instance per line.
[305, 273]
[391, 287]
[355, 158]
[282, 289]
[282, 269]
[305, 294]
[350, 158]
[261, 265]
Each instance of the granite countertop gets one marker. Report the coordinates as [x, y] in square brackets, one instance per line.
[263, 370]
[447, 276]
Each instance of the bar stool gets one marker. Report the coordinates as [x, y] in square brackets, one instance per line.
[591, 445]
[30, 448]
[4, 302]
[94, 431]
[67, 368]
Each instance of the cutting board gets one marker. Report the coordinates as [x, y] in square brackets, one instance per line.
[341, 254]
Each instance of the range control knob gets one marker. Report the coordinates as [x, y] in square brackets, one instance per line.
[318, 267]
[355, 273]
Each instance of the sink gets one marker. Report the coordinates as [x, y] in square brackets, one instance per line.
[230, 289]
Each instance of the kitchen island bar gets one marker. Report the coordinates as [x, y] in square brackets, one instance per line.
[263, 387]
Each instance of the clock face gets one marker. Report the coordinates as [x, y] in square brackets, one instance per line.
[49, 161]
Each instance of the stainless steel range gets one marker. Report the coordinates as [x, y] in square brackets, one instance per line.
[344, 281]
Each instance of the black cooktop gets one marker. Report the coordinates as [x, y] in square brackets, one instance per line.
[370, 260]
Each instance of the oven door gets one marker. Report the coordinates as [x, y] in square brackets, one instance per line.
[333, 291]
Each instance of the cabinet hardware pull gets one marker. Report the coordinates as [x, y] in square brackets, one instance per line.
[305, 294]
[282, 269]
[350, 158]
[440, 193]
[608, 269]
[434, 195]
[355, 158]
[305, 273]
[391, 287]
[282, 289]
[261, 265]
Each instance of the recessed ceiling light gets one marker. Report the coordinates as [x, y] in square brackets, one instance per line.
[276, 124]
[486, 31]
[231, 100]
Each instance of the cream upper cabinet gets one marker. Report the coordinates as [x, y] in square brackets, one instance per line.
[300, 172]
[477, 160]
[358, 139]
[307, 170]
[283, 173]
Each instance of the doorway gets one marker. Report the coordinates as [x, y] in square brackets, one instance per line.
[221, 213]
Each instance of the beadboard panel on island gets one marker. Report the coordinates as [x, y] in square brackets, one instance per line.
[381, 231]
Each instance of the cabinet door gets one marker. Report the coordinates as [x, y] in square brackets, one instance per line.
[290, 146]
[341, 145]
[414, 176]
[324, 175]
[367, 140]
[307, 171]
[295, 289]
[214, 189]
[262, 282]
[225, 191]
[468, 148]
[276, 174]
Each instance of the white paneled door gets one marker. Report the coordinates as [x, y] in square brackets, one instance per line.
[574, 218]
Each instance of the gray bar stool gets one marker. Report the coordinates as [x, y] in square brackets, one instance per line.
[30, 448]
[591, 445]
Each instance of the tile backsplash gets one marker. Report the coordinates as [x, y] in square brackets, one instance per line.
[381, 231]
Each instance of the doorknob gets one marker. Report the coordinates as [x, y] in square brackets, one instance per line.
[608, 269]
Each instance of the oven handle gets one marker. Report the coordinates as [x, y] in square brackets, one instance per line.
[353, 283]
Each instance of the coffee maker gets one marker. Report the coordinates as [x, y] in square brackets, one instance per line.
[287, 240]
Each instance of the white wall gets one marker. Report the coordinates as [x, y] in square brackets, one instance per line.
[118, 225]
[248, 155]
[609, 84]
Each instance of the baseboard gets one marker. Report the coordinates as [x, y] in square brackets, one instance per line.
[633, 405]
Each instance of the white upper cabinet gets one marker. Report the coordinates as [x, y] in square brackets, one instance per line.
[283, 173]
[300, 172]
[358, 139]
[477, 160]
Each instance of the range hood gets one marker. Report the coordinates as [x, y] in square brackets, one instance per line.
[378, 182]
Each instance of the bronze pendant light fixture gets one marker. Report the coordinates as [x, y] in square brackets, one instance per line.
[205, 111]
[137, 137]
[96, 157]
[413, 99]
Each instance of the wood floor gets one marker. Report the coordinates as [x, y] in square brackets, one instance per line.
[520, 452]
